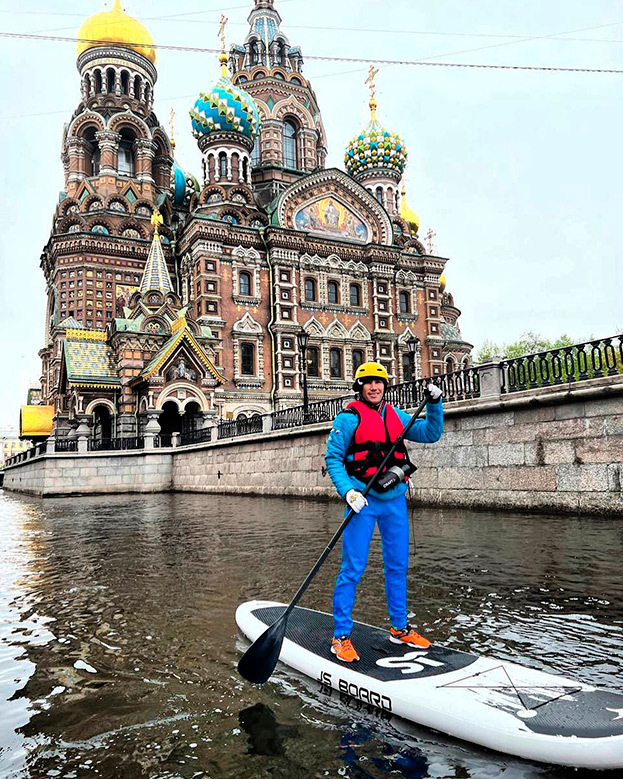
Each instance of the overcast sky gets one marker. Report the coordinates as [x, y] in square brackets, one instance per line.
[518, 172]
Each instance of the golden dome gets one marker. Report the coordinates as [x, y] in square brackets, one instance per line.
[117, 28]
[409, 215]
[442, 283]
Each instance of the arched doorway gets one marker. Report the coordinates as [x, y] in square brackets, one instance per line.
[191, 418]
[102, 424]
[170, 419]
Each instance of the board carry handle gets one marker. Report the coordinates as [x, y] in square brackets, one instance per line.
[260, 659]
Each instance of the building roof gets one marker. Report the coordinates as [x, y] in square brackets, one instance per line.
[89, 359]
[156, 273]
[181, 334]
[35, 421]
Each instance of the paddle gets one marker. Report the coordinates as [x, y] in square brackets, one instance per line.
[258, 662]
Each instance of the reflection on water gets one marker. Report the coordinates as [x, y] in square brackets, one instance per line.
[119, 644]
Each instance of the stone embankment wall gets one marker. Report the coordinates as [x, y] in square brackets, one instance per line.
[92, 473]
[558, 449]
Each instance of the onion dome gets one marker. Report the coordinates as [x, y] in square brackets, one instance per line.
[116, 28]
[183, 185]
[226, 108]
[374, 148]
[409, 215]
[442, 283]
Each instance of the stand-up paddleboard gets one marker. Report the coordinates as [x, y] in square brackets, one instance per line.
[493, 703]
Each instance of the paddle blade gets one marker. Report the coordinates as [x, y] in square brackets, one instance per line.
[258, 662]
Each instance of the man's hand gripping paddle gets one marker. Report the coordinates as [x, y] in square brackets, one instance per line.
[260, 659]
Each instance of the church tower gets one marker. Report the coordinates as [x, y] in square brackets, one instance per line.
[292, 139]
[117, 162]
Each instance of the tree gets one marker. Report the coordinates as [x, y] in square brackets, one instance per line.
[529, 343]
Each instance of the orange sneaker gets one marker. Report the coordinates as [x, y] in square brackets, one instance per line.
[344, 650]
[408, 636]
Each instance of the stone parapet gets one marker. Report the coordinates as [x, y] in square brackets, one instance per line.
[560, 450]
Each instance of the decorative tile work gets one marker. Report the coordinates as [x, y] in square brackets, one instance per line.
[89, 360]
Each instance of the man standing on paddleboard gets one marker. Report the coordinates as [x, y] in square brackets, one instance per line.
[361, 436]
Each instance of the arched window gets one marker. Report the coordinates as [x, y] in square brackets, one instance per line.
[255, 52]
[404, 302]
[310, 290]
[408, 370]
[125, 82]
[357, 358]
[333, 292]
[92, 158]
[245, 169]
[247, 359]
[137, 87]
[281, 53]
[126, 154]
[147, 93]
[110, 80]
[397, 196]
[355, 295]
[335, 363]
[450, 365]
[244, 283]
[87, 85]
[313, 361]
[98, 81]
[379, 194]
[290, 158]
[255, 153]
[222, 165]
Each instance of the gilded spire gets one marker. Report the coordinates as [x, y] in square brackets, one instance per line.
[172, 127]
[223, 55]
[156, 273]
[370, 81]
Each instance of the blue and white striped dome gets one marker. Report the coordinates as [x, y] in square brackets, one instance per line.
[226, 108]
[183, 184]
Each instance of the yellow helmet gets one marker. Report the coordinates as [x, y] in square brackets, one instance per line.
[369, 370]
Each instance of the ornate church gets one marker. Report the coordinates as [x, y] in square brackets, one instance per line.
[183, 298]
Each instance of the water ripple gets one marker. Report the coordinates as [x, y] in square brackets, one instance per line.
[118, 642]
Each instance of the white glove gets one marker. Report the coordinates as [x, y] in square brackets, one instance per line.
[433, 393]
[355, 500]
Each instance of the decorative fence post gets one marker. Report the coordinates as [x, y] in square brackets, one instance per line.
[491, 379]
[152, 428]
[84, 433]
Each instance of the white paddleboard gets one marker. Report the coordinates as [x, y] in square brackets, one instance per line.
[496, 704]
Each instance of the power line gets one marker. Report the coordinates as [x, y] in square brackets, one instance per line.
[328, 58]
[384, 31]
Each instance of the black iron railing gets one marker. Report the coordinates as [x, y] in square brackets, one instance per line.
[66, 445]
[296, 416]
[565, 365]
[195, 436]
[163, 441]
[117, 444]
[237, 427]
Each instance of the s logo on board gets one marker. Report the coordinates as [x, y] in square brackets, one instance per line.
[406, 663]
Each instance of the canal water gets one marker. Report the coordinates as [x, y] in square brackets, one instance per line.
[118, 644]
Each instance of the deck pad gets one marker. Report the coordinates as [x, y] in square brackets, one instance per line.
[494, 703]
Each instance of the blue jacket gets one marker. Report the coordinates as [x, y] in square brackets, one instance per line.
[423, 431]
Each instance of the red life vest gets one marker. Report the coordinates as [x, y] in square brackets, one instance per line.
[374, 437]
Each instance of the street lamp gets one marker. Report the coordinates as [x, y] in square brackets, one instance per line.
[303, 339]
[412, 345]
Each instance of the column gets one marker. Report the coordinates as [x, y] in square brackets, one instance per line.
[109, 150]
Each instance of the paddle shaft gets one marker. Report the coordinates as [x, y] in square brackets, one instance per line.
[351, 514]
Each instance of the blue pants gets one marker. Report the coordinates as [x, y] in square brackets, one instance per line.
[393, 522]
